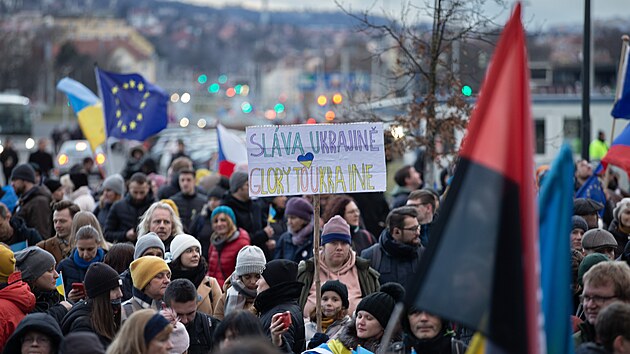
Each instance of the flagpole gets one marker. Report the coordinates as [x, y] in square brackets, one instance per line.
[318, 285]
[110, 168]
[621, 73]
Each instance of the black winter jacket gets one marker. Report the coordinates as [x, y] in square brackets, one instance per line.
[201, 333]
[78, 320]
[397, 260]
[22, 233]
[280, 298]
[102, 213]
[34, 208]
[127, 285]
[125, 215]
[49, 302]
[189, 206]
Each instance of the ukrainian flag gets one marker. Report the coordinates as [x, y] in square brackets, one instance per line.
[59, 286]
[88, 109]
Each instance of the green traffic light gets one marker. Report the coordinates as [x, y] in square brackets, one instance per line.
[223, 79]
[202, 79]
[246, 107]
[466, 90]
[238, 89]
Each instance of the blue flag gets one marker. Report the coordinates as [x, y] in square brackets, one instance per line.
[621, 109]
[134, 108]
[555, 205]
[18, 246]
[592, 189]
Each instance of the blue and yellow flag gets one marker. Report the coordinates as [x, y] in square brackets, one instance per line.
[88, 109]
[59, 286]
[271, 218]
[134, 108]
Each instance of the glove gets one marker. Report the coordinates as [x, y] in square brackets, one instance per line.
[317, 340]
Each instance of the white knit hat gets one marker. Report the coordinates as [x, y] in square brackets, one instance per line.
[250, 259]
[181, 243]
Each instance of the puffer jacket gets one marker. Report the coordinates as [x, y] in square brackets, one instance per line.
[189, 206]
[222, 257]
[34, 208]
[16, 300]
[124, 215]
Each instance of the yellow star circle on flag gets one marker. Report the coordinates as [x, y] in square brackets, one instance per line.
[139, 117]
[141, 86]
[132, 125]
[132, 84]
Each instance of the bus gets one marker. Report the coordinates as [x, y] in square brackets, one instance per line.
[16, 122]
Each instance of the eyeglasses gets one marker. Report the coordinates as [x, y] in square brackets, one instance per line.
[413, 228]
[40, 339]
[599, 300]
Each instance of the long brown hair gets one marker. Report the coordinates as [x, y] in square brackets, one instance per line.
[103, 319]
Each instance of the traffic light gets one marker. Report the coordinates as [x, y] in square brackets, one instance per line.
[223, 79]
[246, 107]
[330, 116]
[279, 108]
[202, 79]
[214, 88]
[337, 98]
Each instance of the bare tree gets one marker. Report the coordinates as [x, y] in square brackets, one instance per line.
[428, 68]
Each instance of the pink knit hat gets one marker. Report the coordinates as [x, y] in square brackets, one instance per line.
[336, 229]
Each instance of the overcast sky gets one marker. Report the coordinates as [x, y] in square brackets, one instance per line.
[537, 13]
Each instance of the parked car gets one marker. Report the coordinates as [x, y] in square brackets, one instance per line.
[73, 152]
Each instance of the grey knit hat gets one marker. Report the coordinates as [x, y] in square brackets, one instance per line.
[237, 180]
[24, 172]
[250, 259]
[147, 241]
[578, 222]
[33, 262]
[116, 183]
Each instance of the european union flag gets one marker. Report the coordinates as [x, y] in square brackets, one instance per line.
[592, 189]
[134, 108]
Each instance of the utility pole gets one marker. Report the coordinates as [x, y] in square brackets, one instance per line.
[586, 80]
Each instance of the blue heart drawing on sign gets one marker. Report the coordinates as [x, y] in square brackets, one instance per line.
[306, 160]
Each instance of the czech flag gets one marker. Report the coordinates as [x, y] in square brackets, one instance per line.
[482, 269]
[232, 151]
[88, 109]
[619, 152]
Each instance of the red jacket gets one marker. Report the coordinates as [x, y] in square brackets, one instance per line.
[221, 264]
[16, 300]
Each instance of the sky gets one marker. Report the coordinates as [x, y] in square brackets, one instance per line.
[538, 14]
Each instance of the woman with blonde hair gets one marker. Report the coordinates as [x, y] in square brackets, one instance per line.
[145, 331]
[83, 218]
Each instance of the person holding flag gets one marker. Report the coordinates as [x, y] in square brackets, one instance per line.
[38, 271]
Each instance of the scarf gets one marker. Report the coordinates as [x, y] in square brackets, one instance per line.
[196, 275]
[237, 295]
[83, 264]
[326, 322]
[303, 235]
[219, 242]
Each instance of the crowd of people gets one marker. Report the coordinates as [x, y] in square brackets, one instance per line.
[188, 263]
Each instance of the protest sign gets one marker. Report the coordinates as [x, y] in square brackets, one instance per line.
[316, 159]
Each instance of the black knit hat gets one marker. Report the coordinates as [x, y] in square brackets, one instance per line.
[578, 222]
[280, 271]
[338, 287]
[381, 303]
[100, 278]
[52, 184]
[24, 172]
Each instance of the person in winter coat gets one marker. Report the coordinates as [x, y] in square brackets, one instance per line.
[13, 229]
[240, 288]
[86, 252]
[34, 203]
[37, 333]
[150, 276]
[78, 191]
[399, 250]
[225, 243]
[278, 292]
[297, 243]
[113, 190]
[84, 218]
[81, 343]
[201, 226]
[124, 215]
[188, 264]
[275, 208]
[620, 226]
[16, 298]
[337, 261]
[60, 245]
[346, 207]
[147, 245]
[101, 312]
[181, 298]
[38, 271]
[161, 218]
[367, 329]
[188, 200]
[334, 310]
[427, 333]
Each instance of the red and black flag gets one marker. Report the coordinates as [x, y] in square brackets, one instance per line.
[481, 267]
